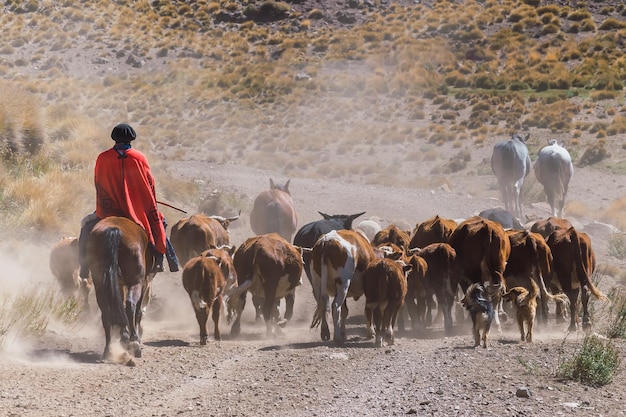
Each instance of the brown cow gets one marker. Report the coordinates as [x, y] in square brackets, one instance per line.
[192, 235]
[224, 256]
[392, 234]
[546, 226]
[531, 260]
[64, 266]
[338, 261]
[384, 286]
[433, 230]
[441, 280]
[270, 268]
[273, 212]
[204, 281]
[573, 266]
[482, 249]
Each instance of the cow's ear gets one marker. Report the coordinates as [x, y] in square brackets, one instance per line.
[287, 185]
[272, 185]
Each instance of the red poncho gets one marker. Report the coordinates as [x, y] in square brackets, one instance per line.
[125, 187]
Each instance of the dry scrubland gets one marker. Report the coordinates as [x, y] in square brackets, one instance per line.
[402, 94]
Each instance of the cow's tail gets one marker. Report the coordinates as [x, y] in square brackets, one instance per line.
[117, 313]
[320, 309]
[583, 268]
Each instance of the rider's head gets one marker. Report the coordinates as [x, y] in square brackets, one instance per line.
[123, 133]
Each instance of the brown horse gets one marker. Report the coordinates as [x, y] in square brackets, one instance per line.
[120, 257]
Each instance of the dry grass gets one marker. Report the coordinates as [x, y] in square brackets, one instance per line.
[239, 83]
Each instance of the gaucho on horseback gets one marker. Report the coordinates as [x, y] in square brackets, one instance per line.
[125, 187]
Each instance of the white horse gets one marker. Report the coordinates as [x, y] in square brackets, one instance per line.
[554, 170]
[510, 162]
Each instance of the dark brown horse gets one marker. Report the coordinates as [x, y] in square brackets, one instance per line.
[120, 257]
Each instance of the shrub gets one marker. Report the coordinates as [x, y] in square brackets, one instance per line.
[612, 24]
[617, 246]
[593, 154]
[617, 314]
[594, 364]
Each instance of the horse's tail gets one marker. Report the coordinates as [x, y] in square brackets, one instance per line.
[110, 279]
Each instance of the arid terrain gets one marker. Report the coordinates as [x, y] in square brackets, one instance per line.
[346, 150]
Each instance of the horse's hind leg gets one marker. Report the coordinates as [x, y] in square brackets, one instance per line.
[134, 314]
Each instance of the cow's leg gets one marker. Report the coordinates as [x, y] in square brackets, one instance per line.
[388, 313]
[572, 295]
[445, 304]
[378, 326]
[217, 304]
[236, 327]
[202, 316]
[336, 308]
[323, 307]
[369, 312]
[289, 302]
[257, 302]
[270, 309]
[584, 299]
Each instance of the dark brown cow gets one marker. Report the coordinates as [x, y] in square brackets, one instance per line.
[415, 300]
[573, 266]
[392, 234]
[441, 280]
[270, 268]
[192, 235]
[384, 286]
[338, 261]
[531, 259]
[273, 212]
[204, 281]
[64, 266]
[433, 230]
[546, 226]
[482, 249]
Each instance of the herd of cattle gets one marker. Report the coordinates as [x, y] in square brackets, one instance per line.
[487, 258]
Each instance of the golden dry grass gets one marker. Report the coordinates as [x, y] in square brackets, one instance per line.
[237, 84]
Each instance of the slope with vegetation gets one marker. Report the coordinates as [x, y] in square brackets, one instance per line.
[271, 83]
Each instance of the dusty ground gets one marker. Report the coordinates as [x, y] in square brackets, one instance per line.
[298, 374]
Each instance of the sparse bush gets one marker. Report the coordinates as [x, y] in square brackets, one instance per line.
[594, 364]
[617, 246]
[612, 24]
[593, 154]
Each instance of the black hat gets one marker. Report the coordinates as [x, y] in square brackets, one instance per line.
[123, 133]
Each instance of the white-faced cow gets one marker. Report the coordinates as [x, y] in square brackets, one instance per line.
[338, 259]
[510, 162]
[193, 235]
[554, 170]
[573, 265]
[385, 286]
[64, 266]
[310, 232]
[270, 268]
[273, 212]
[204, 281]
